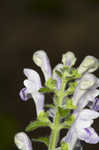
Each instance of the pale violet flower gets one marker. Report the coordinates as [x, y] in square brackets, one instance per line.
[86, 90]
[32, 85]
[83, 126]
[41, 59]
[69, 59]
[81, 129]
[89, 64]
[22, 141]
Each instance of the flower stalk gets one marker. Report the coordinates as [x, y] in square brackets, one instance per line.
[56, 125]
[73, 90]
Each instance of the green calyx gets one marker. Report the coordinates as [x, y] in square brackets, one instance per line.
[64, 146]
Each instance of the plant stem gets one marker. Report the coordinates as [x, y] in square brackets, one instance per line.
[55, 133]
[55, 130]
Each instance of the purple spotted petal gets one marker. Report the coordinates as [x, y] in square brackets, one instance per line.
[22, 141]
[41, 59]
[96, 104]
[89, 135]
[24, 95]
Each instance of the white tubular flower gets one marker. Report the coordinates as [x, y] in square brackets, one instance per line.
[40, 58]
[68, 59]
[32, 85]
[55, 76]
[85, 84]
[83, 126]
[90, 64]
[81, 129]
[22, 141]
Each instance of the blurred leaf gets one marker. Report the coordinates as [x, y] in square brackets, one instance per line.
[59, 73]
[42, 140]
[49, 106]
[35, 124]
[69, 104]
[64, 146]
[50, 83]
[45, 90]
[63, 112]
[43, 117]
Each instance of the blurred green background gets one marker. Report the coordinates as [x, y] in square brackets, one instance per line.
[26, 26]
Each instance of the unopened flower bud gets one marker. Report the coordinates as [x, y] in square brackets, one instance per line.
[40, 58]
[22, 141]
[90, 64]
[68, 59]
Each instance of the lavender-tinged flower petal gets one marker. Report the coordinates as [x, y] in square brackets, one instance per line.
[39, 102]
[83, 123]
[88, 135]
[40, 58]
[86, 116]
[33, 76]
[83, 120]
[71, 137]
[69, 59]
[89, 64]
[87, 98]
[84, 84]
[55, 76]
[32, 88]
[22, 141]
[87, 81]
[24, 95]
[32, 85]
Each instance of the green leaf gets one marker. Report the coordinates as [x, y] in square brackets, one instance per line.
[70, 105]
[65, 69]
[51, 84]
[45, 90]
[43, 116]
[75, 73]
[71, 89]
[73, 84]
[35, 124]
[49, 106]
[44, 140]
[59, 73]
[63, 112]
[64, 146]
[68, 123]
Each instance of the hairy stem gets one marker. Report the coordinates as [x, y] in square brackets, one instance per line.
[55, 131]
